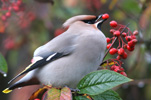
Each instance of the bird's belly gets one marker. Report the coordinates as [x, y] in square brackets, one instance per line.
[66, 72]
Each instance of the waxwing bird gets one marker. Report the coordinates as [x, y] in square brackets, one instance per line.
[67, 58]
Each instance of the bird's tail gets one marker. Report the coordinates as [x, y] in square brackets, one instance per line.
[9, 89]
[21, 83]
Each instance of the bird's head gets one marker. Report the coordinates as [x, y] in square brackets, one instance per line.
[88, 19]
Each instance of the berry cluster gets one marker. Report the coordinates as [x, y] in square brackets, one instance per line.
[126, 42]
[9, 43]
[118, 69]
[18, 8]
[9, 7]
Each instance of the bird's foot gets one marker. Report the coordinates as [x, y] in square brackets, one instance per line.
[74, 90]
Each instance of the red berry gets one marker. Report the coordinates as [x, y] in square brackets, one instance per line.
[16, 8]
[105, 16]
[108, 40]
[121, 69]
[116, 33]
[18, 3]
[113, 23]
[121, 51]
[123, 73]
[116, 68]
[3, 18]
[118, 57]
[113, 51]
[113, 67]
[36, 99]
[128, 38]
[131, 44]
[112, 31]
[130, 48]
[124, 34]
[10, 8]
[133, 37]
[134, 41]
[125, 46]
[124, 56]
[135, 32]
[108, 46]
[8, 14]
[9, 44]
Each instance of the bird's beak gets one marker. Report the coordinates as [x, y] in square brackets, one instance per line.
[99, 19]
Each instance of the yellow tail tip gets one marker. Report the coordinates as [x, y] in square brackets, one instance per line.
[6, 91]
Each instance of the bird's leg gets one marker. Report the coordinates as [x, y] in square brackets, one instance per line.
[73, 90]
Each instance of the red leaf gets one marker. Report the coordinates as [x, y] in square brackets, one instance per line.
[66, 94]
[53, 94]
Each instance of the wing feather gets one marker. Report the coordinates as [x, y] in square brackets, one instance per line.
[40, 63]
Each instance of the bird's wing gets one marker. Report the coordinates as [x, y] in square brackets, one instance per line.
[46, 54]
[41, 62]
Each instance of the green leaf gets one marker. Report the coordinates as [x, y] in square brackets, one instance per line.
[107, 95]
[3, 65]
[80, 98]
[100, 81]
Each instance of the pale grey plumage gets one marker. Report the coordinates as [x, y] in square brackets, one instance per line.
[88, 46]
[84, 46]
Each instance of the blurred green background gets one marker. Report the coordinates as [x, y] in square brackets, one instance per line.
[36, 23]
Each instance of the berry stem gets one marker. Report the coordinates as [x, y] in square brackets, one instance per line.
[123, 43]
[114, 41]
[119, 43]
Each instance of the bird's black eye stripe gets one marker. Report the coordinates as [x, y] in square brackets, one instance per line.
[92, 21]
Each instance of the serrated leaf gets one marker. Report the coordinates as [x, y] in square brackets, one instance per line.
[107, 95]
[66, 94]
[3, 65]
[100, 81]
